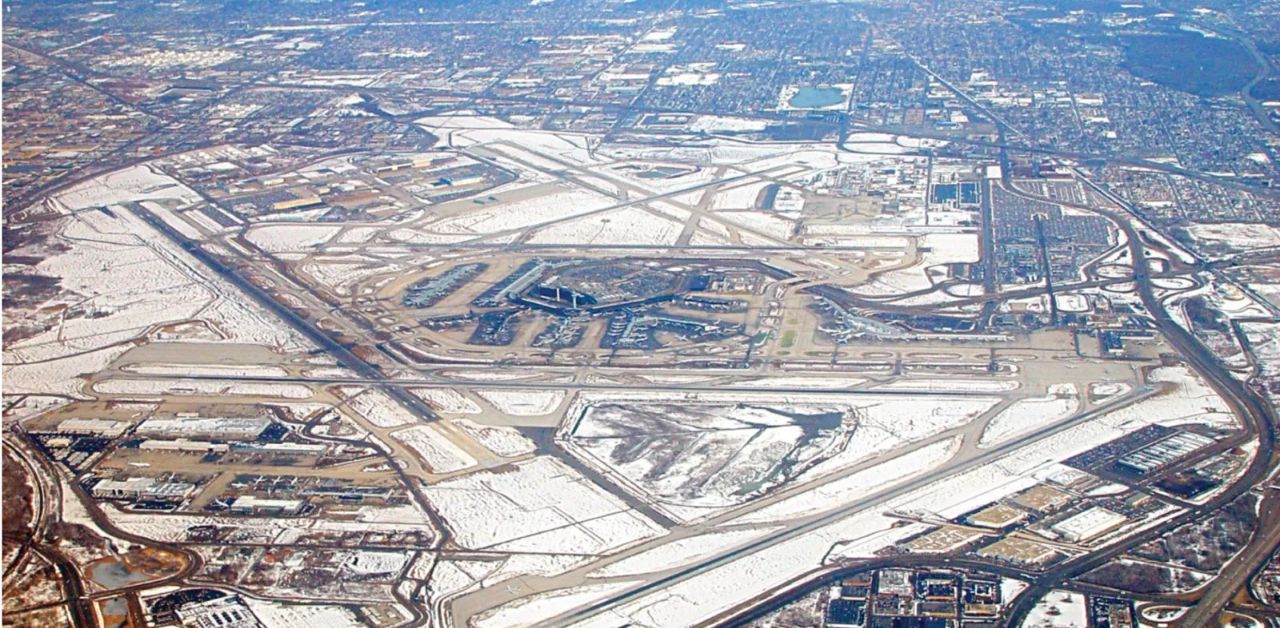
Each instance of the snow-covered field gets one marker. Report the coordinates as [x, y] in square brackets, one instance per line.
[518, 402]
[694, 458]
[800, 381]
[486, 375]
[690, 178]
[897, 282]
[709, 455]
[291, 238]
[715, 124]
[767, 224]
[680, 552]
[533, 610]
[339, 274]
[278, 615]
[226, 370]
[540, 505]
[153, 388]
[850, 487]
[137, 183]
[504, 441]
[523, 213]
[174, 527]
[1236, 235]
[1189, 400]
[739, 196]
[452, 576]
[418, 236]
[439, 453]
[61, 376]
[630, 225]
[446, 400]
[1026, 415]
[949, 385]
[381, 410]
[1058, 609]
[366, 562]
[127, 280]
[948, 248]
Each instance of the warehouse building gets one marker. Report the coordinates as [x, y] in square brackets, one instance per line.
[142, 488]
[104, 428]
[183, 445]
[1088, 524]
[252, 505]
[1162, 453]
[235, 428]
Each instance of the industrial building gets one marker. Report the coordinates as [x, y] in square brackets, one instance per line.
[183, 445]
[1164, 452]
[894, 582]
[104, 428]
[295, 449]
[223, 612]
[142, 488]
[235, 428]
[1088, 524]
[297, 203]
[252, 505]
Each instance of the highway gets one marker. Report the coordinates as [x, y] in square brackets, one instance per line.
[1253, 408]
[46, 501]
[1236, 574]
[1259, 416]
[1255, 413]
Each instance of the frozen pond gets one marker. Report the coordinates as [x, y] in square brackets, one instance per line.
[816, 97]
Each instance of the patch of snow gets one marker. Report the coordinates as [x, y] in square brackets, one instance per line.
[278, 615]
[533, 610]
[291, 238]
[381, 410]
[679, 552]
[518, 402]
[446, 400]
[1026, 415]
[439, 453]
[1058, 609]
[504, 441]
[539, 505]
[151, 388]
